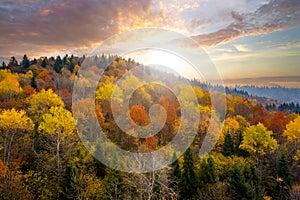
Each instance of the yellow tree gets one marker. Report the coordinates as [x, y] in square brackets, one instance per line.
[41, 102]
[104, 95]
[292, 133]
[13, 124]
[9, 87]
[230, 127]
[59, 124]
[258, 140]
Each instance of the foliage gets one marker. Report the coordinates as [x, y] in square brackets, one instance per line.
[228, 148]
[13, 125]
[238, 183]
[41, 156]
[60, 124]
[41, 102]
[258, 140]
[188, 182]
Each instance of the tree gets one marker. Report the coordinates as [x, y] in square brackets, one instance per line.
[41, 186]
[3, 169]
[13, 61]
[60, 124]
[188, 181]
[25, 62]
[228, 147]
[41, 102]
[283, 180]
[292, 131]
[277, 124]
[208, 172]
[114, 182]
[58, 65]
[239, 187]
[81, 184]
[44, 63]
[139, 115]
[13, 124]
[104, 93]
[4, 65]
[9, 87]
[258, 140]
[253, 180]
[176, 171]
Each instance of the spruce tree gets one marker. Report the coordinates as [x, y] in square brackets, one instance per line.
[228, 146]
[188, 182]
[253, 181]
[212, 171]
[44, 63]
[238, 185]
[58, 65]
[208, 172]
[25, 62]
[284, 182]
[176, 173]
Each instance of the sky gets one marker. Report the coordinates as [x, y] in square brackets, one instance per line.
[244, 38]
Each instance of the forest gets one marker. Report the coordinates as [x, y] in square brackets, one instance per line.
[257, 155]
[280, 93]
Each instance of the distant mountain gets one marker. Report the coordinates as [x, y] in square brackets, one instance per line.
[280, 81]
[279, 93]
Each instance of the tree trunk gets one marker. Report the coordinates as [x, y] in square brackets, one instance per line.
[58, 155]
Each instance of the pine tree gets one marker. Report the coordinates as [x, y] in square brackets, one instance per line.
[58, 64]
[44, 63]
[70, 179]
[176, 173]
[284, 182]
[208, 172]
[212, 171]
[239, 187]
[25, 62]
[188, 182]
[228, 146]
[4, 65]
[253, 180]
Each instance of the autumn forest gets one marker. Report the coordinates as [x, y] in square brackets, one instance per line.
[257, 155]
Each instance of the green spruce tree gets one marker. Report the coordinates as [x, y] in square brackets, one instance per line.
[228, 146]
[283, 181]
[176, 173]
[238, 185]
[188, 181]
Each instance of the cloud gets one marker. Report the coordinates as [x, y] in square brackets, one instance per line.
[274, 16]
[40, 27]
[45, 12]
[242, 48]
[63, 24]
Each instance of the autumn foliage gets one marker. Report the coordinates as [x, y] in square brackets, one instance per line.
[257, 155]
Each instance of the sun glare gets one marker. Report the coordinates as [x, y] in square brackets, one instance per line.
[164, 59]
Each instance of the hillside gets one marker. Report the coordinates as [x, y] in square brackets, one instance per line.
[51, 111]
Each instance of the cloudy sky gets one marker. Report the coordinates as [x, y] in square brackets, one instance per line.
[244, 38]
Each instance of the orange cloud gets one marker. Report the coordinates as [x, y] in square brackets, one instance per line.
[45, 12]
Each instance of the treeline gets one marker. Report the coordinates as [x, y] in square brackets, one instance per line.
[257, 155]
[282, 94]
[284, 107]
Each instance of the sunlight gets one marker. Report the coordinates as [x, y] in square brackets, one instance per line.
[167, 61]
